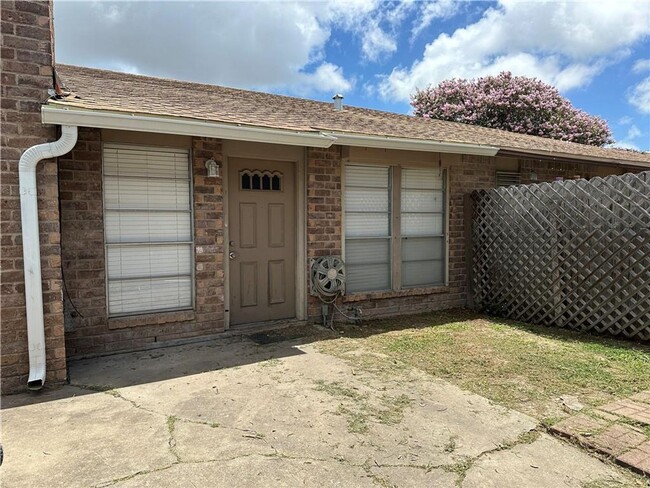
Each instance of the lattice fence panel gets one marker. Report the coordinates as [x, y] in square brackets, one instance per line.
[572, 253]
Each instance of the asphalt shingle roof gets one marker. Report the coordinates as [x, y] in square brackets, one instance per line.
[122, 92]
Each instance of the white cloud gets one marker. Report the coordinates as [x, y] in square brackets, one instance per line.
[563, 43]
[430, 11]
[625, 145]
[625, 120]
[276, 45]
[641, 66]
[279, 46]
[639, 96]
[377, 43]
[328, 78]
[633, 132]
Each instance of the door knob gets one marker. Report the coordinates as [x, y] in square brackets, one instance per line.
[232, 254]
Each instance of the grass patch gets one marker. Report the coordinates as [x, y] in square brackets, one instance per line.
[337, 389]
[521, 366]
[360, 409]
[357, 421]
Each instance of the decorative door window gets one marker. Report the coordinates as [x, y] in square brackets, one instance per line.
[260, 180]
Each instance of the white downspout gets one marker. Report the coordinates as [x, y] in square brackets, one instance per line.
[32, 249]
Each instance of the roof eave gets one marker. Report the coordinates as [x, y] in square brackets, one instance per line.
[61, 115]
[386, 142]
[58, 113]
[570, 158]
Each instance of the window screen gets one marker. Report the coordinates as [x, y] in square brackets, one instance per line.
[367, 228]
[422, 228]
[148, 229]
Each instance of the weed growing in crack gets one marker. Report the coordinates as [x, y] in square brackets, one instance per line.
[460, 469]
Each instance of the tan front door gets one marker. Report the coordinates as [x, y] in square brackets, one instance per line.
[262, 240]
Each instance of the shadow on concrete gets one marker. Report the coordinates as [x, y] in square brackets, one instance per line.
[235, 348]
[248, 345]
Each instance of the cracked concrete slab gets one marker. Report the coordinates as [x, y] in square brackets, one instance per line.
[249, 471]
[80, 441]
[239, 414]
[544, 463]
[409, 477]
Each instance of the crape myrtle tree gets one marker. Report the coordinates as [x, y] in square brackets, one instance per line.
[512, 103]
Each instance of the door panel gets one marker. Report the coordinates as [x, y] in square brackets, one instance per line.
[248, 225]
[262, 240]
[276, 281]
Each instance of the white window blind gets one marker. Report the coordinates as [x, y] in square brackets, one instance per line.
[367, 228]
[148, 229]
[422, 229]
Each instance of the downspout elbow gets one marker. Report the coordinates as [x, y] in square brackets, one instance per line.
[32, 251]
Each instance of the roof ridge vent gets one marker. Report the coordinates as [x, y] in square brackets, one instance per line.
[338, 101]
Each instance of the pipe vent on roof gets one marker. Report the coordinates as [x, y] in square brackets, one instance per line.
[338, 101]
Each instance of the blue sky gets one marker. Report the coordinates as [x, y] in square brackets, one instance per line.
[377, 53]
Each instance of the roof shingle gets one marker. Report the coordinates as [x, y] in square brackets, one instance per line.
[122, 92]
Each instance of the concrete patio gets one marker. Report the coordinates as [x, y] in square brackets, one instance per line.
[236, 413]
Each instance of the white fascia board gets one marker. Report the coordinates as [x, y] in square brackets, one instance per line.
[51, 114]
[383, 142]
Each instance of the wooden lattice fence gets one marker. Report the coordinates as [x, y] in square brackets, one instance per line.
[571, 253]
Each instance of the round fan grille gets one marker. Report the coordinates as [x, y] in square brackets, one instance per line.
[328, 276]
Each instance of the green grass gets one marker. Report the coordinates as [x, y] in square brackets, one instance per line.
[518, 365]
[360, 410]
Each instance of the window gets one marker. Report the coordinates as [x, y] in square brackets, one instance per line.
[260, 180]
[148, 229]
[508, 178]
[423, 228]
[394, 227]
[367, 228]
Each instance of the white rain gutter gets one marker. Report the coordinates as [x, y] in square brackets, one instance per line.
[32, 250]
[52, 114]
[58, 114]
[384, 142]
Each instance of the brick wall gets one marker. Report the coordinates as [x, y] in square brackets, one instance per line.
[324, 231]
[26, 76]
[325, 234]
[89, 331]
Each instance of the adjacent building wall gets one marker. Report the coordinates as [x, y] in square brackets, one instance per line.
[27, 48]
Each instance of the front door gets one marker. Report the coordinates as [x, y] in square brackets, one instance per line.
[262, 240]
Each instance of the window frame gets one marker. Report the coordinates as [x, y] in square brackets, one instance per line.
[190, 242]
[395, 225]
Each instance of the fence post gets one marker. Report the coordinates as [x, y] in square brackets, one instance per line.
[468, 208]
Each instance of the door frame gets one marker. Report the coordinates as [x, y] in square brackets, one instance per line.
[269, 152]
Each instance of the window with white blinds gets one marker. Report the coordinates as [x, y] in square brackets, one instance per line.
[367, 228]
[422, 228]
[148, 229]
[419, 232]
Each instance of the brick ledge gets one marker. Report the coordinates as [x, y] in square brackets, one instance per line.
[378, 295]
[151, 319]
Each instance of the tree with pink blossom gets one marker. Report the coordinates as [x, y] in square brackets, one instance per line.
[512, 103]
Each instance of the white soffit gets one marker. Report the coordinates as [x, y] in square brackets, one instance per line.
[180, 126]
[57, 114]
